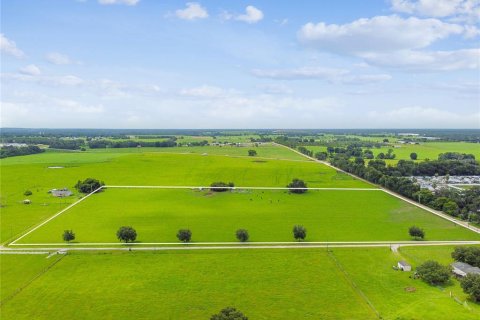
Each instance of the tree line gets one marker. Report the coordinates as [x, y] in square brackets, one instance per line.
[103, 143]
[10, 151]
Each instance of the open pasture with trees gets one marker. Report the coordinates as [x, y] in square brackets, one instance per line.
[43, 172]
[267, 215]
[281, 284]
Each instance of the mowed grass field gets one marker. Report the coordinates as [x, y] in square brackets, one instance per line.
[328, 215]
[264, 284]
[19, 174]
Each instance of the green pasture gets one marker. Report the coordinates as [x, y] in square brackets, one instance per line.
[269, 215]
[33, 173]
[263, 283]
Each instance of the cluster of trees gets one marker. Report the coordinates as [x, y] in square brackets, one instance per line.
[465, 205]
[88, 185]
[221, 186]
[52, 142]
[434, 273]
[252, 153]
[8, 151]
[470, 255]
[100, 144]
[456, 156]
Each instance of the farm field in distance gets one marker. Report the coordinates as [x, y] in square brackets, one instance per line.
[328, 215]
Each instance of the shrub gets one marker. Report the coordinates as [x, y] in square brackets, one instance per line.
[252, 153]
[27, 193]
[242, 235]
[184, 235]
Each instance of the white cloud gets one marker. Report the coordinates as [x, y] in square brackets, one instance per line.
[193, 11]
[377, 34]
[464, 9]
[68, 80]
[31, 70]
[329, 74]
[424, 117]
[58, 58]
[273, 88]
[252, 15]
[126, 2]
[68, 105]
[204, 91]
[299, 73]
[9, 47]
[426, 61]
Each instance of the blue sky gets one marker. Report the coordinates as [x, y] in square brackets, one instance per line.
[240, 64]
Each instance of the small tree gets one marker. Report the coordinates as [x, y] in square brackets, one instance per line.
[416, 232]
[471, 286]
[229, 313]
[27, 193]
[297, 186]
[68, 235]
[433, 272]
[242, 235]
[413, 156]
[184, 235]
[252, 153]
[299, 232]
[126, 234]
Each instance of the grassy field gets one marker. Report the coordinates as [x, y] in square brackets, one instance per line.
[424, 150]
[268, 215]
[264, 284]
[18, 270]
[33, 173]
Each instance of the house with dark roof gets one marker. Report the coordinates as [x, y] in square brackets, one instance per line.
[462, 269]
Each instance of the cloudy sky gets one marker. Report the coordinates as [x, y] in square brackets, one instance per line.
[240, 64]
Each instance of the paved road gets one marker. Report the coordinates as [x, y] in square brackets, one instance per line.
[200, 246]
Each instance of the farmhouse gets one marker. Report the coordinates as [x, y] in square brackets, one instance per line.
[60, 193]
[404, 266]
[462, 269]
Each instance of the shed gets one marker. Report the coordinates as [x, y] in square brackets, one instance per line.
[404, 266]
[462, 269]
[60, 193]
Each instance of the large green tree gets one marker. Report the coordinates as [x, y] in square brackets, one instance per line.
[126, 234]
[471, 286]
[433, 272]
[297, 186]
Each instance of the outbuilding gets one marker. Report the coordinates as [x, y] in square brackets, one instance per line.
[462, 269]
[404, 266]
[61, 193]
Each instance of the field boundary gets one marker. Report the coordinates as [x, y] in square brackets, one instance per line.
[177, 187]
